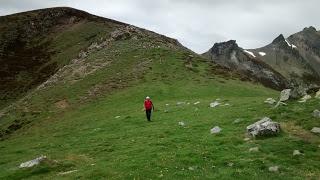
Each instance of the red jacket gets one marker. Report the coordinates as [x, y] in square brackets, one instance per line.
[148, 104]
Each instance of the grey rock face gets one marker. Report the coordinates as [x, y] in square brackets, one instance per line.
[230, 55]
[264, 127]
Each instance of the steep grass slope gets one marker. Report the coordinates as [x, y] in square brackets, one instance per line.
[87, 119]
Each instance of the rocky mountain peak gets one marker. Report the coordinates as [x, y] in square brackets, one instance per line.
[310, 29]
[223, 47]
[279, 39]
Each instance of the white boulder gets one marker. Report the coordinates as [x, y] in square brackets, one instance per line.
[215, 130]
[264, 127]
[285, 95]
[315, 130]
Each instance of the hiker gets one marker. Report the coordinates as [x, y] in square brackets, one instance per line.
[148, 106]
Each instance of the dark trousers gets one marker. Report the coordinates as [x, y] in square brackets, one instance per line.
[148, 113]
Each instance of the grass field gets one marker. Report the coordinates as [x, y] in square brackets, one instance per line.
[87, 137]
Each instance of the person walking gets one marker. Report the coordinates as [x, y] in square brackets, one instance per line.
[148, 106]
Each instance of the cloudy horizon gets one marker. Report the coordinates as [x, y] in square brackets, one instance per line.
[197, 24]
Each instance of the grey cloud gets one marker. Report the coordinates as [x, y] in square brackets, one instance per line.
[198, 24]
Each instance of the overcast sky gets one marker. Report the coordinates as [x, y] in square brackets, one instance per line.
[197, 24]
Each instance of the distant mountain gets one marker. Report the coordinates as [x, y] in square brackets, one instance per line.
[294, 61]
[230, 55]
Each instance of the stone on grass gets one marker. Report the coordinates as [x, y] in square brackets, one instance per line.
[214, 104]
[318, 94]
[296, 153]
[117, 117]
[196, 103]
[254, 149]
[215, 130]
[230, 164]
[67, 172]
[305, 98]
[270, 101]
[181, 103]
[191, 168]
[274, 168]
[316, 113]
[236, 121]
[246, 139]
[181, 123]
[315, 130]
[264, 127]
[32, 162]
[285, 95]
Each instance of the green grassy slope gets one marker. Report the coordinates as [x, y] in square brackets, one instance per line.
[86, 136]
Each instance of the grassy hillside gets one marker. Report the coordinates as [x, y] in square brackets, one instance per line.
[92, 121]
[35, 45]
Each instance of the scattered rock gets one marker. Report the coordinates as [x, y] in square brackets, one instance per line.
[296, 153]
[167, 104]
[317, 94]
[246, 139]
[274, 168]
[191, 168]
[270, 101]
[285, 95]
[264, 127]
[33, 162]
[315, 130]
[214, 104]
[236, 121]
[316, 113]
[181, 123]
[230, 164]
[196, 103]
[254, 149]
[181, 103]
[298, 92]
[117, 117]
[215, 130]
[67, 172]
[305, 98]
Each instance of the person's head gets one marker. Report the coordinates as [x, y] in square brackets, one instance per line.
[147, 98]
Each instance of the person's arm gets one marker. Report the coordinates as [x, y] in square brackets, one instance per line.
[152, 106]
[144, 107]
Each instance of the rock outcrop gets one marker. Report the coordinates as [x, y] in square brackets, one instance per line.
[264, 127]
